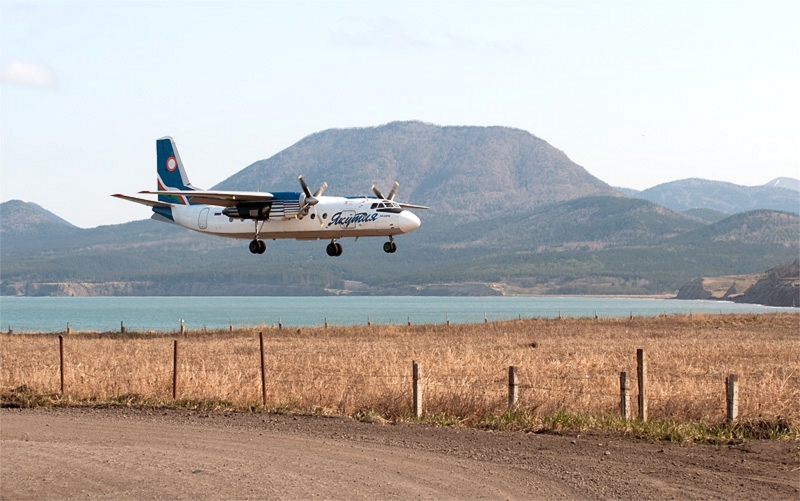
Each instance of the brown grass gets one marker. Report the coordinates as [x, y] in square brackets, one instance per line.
[568, 365]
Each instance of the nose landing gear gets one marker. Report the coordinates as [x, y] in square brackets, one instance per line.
[390, 247]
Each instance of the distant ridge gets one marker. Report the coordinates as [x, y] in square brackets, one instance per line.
[785, 182]
[723, 197]
[469, 172]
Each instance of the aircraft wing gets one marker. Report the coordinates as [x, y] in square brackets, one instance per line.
[220, 198]
[411, 206]
[143, 201]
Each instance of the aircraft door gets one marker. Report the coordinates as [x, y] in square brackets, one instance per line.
[202, 221]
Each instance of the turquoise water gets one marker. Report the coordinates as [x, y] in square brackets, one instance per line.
[52, 314]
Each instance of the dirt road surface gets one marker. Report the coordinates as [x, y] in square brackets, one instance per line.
[123, 453]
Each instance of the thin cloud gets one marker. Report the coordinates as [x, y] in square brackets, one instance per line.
[496, 46]
[379, 33]
[389, 33]
[28, 74]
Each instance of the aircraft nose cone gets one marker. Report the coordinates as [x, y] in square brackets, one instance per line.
[408, 221]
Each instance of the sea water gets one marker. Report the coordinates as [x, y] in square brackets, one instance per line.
[54, 314]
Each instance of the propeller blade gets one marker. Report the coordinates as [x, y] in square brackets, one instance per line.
[305, 186]
[377, 191]
[321, 222]
[321, 189]
[394, 191]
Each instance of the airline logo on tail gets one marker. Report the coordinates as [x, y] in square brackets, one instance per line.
[170, 172]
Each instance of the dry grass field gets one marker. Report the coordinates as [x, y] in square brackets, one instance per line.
[568, 369]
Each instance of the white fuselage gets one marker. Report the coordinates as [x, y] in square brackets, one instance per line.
[331, 218]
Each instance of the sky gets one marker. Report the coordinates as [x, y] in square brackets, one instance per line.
[638, 93]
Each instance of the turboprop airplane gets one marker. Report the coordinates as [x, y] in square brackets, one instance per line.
[256, 215]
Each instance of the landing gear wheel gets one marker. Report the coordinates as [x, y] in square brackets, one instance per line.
[389, 247]
[262, 247]
[334, 249]
[331, 249]
[254, 246]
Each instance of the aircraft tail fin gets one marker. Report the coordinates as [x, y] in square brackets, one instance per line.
[170, 172]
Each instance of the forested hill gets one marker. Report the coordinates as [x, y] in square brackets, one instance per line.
[466, 172]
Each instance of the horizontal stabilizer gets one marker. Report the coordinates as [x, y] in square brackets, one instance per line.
[220, 198]
[143, 201]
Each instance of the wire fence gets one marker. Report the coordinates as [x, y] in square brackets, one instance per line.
[436, 389]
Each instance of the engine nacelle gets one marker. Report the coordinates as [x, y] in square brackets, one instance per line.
[254, 210]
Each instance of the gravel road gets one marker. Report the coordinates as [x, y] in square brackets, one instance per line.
[123, 453]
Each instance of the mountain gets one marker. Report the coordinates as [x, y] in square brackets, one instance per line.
[724, 197]
[594, 222]
[18, 217]
[467, 173]
[707, 215]
[755, 227]
[519, 217]
[785, 182]
[599, 245]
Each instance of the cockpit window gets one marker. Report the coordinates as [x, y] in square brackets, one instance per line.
[373, 206]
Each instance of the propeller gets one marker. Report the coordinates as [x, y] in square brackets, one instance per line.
[391, 193]
[307, 200]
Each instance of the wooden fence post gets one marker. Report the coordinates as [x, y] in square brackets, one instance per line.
[263, 371]
[447, 318]
[732, 396]
[624, 396]
[512, 387]
[641, 371]
[417, 390]
[175, 369]
[61, 360]
[121, 327]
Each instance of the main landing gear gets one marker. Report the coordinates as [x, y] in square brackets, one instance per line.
[390, 247]
[257, 246]
[334, 248]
